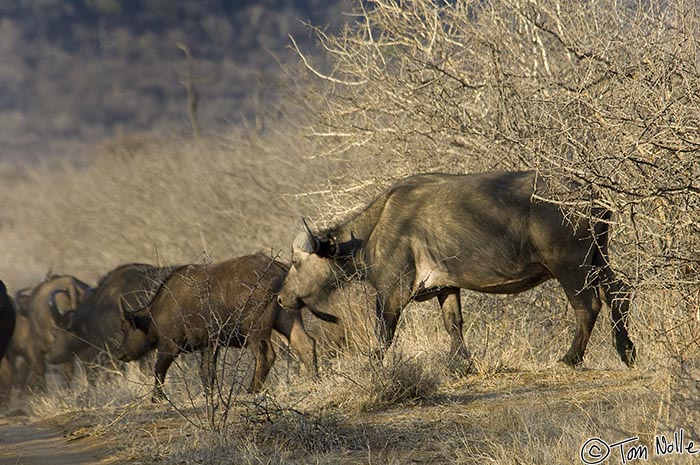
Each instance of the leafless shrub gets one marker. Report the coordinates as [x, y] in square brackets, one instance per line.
[314, 432]
[602, 96]
[400, 380]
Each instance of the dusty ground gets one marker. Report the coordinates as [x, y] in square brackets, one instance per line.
[26, 442]
[515, 417]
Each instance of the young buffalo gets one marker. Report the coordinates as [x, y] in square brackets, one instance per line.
[202, 308]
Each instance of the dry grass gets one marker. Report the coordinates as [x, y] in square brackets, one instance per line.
[139, 199]
[522, 417]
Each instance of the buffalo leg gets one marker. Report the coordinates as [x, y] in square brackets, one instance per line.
[36, 379]
[207, 368]
[67, 370]
[388, 312]
[20, 372]
[616, 296]
[586, 306]
[291, 326]
[451, 306]
[5, 381]
[164, 359]
[264, 358]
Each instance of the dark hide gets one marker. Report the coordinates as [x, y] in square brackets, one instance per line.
[92, 332]
[202, 308]
[431, 235]
[7, 320]
[14, 369]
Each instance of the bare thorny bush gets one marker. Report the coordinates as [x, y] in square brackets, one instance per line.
[602, 94]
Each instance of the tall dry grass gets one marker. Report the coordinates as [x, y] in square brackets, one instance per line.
[146, 199]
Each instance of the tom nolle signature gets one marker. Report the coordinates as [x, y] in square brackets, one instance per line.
[596, 450]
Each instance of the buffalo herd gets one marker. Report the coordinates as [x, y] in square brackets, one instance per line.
[428, 235]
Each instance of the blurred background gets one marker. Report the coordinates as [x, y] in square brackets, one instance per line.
[142, 130]
[77, 72]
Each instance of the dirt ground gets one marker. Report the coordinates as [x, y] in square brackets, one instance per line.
[507, 418]
[25, 442]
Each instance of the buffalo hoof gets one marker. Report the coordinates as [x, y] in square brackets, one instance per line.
[315, 377]
[158, 397]
[572, 361]
[461, 362]
[629, 357]
[459, 366]
[377, 356]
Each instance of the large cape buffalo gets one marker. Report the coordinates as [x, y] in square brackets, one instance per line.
[431, 235]
[50, 301]
[92, 331]
[202, 308]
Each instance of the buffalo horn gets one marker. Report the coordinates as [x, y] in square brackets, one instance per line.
[57, 316]
[313, 240]
[122, 309]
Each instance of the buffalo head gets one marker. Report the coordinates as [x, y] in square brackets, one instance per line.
[319, 264]
[64, 343]
[137, 338]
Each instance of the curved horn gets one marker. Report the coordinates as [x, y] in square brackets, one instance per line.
[122, 310]
[313, 240]
[127, 310]
[57, 316]
[76, 293]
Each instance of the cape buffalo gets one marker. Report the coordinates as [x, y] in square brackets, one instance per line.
[49, 302]
[14, 369]
[7, 319]
[202, 308]
[93, 329]
[7, 327]
[430, 235]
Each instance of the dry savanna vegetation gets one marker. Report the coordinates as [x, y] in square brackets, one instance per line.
[603, 93]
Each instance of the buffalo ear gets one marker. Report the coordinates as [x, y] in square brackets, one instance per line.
[137, 319]
[327, 247]
[67, 319]
[125, 314]
[330, 247]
